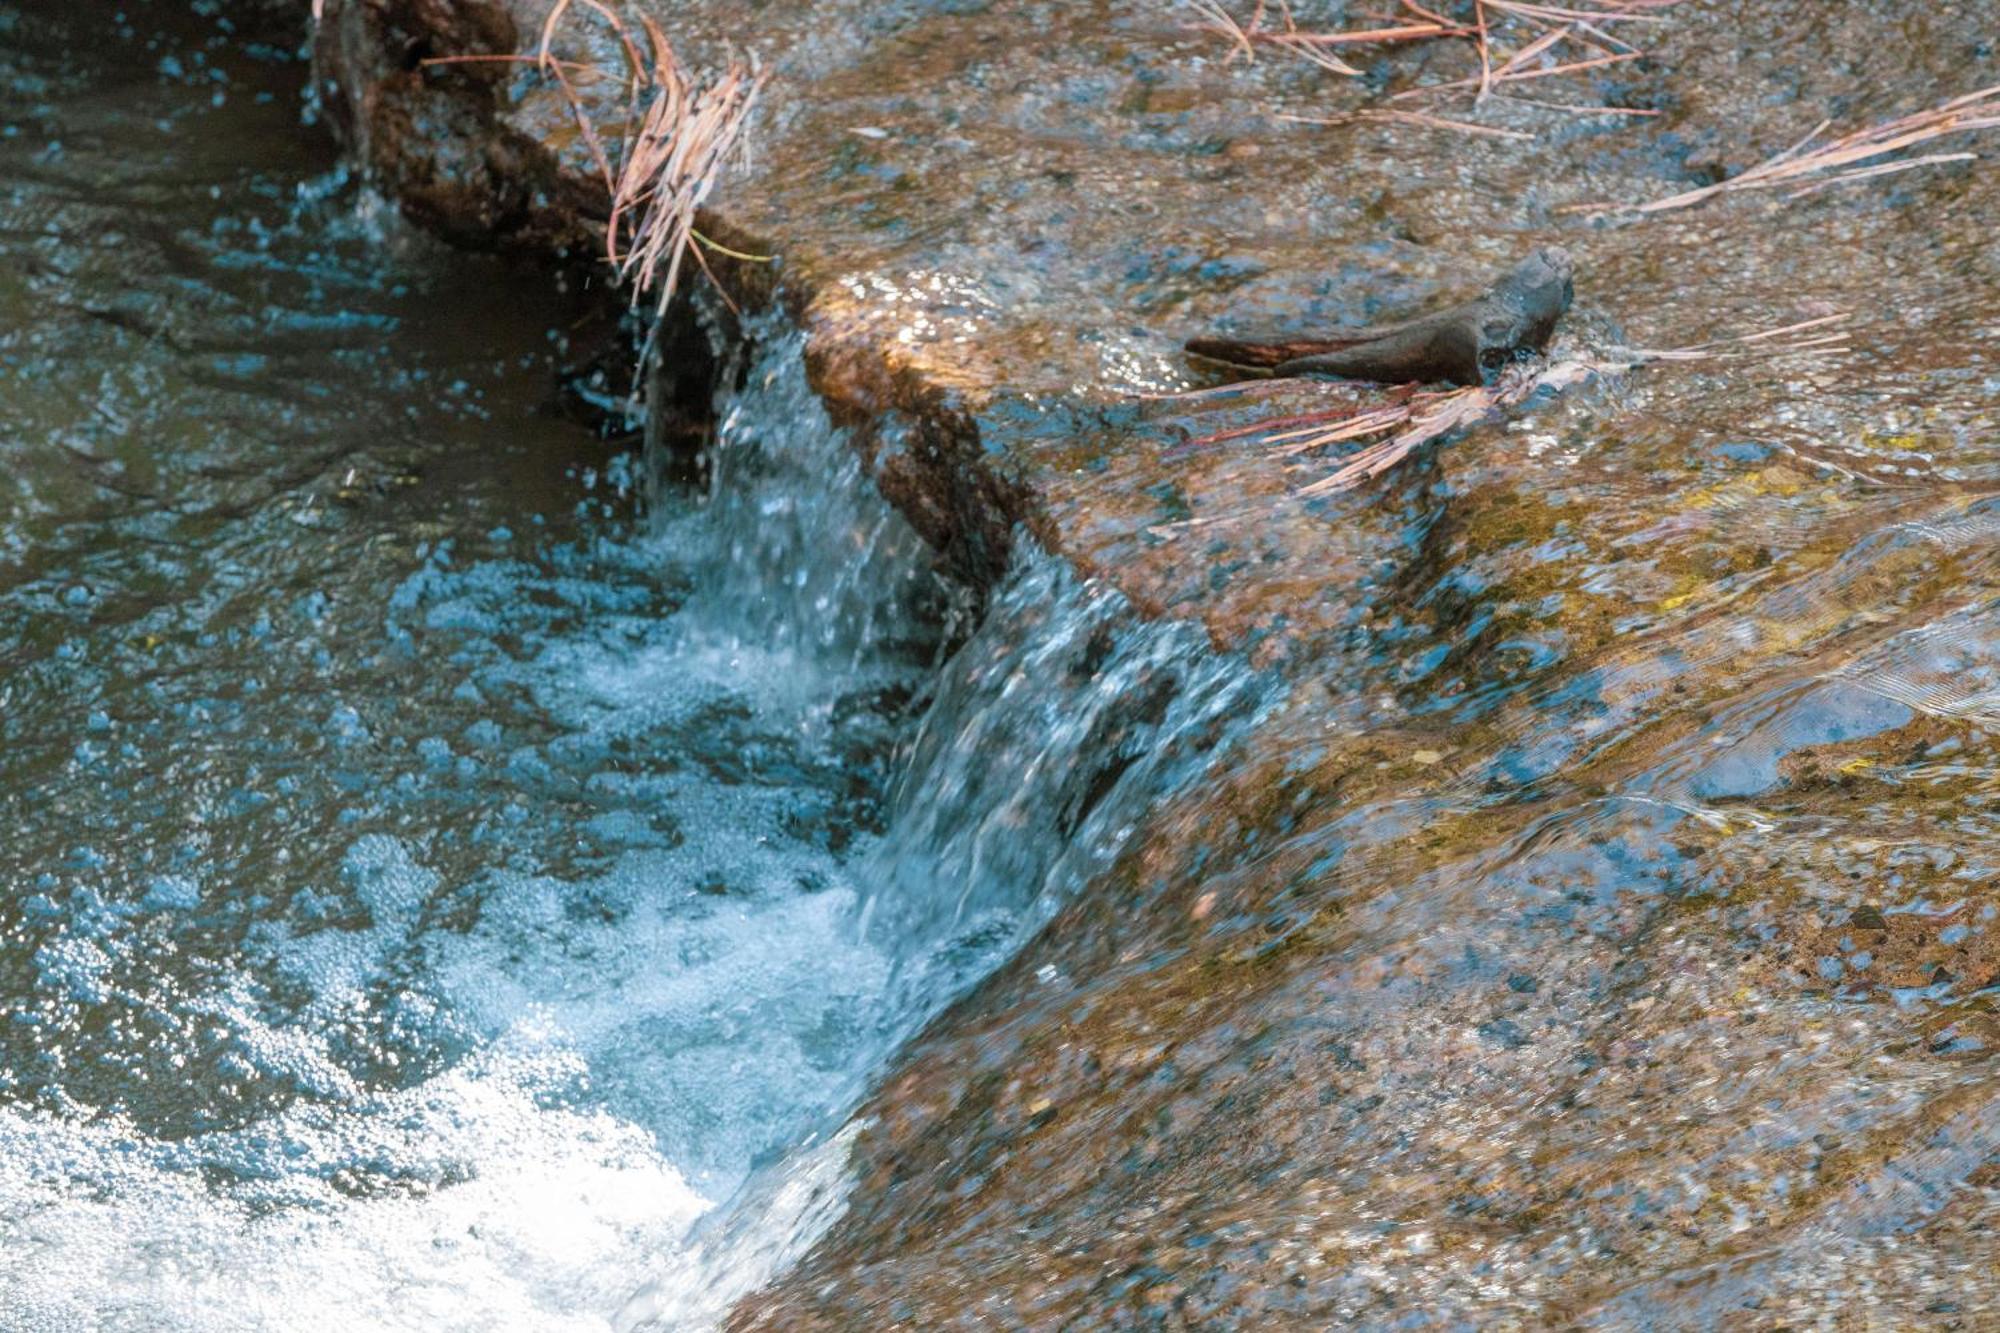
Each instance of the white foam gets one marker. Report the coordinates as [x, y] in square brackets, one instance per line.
[471, 1089]
[105, 1230]
[595, 960]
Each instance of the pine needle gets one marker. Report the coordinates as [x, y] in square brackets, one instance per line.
[1313, 46]
[1539, 28]
[1806, 169]
[1414, 118]
[682, 133]
[1418, 418]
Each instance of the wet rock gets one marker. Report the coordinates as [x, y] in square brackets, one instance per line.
[1595, 933]
[411, 87]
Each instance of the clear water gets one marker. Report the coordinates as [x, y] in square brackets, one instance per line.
[569, 946]
[434, 879]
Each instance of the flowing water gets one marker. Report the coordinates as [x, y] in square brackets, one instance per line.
[433, 878]
[454, 880]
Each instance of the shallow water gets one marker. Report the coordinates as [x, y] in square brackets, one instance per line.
[425, 893]
[1602, 931]
[434, 878]
[445, 880]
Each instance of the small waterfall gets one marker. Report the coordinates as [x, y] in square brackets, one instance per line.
[1052, 732]
[1047, 735]
[1046, 738]
[805, 557]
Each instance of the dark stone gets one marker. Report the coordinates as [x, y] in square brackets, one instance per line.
[1467, 344]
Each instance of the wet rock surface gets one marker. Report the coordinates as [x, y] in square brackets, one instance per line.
[430, 132]
[1601, 933]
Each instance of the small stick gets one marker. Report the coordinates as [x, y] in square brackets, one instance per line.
[1571, 15]
[1418, 118]
[1972, 111]
[1421, 12]
[1881, 169]
[1419, 418]
[1531, 50]
[1578, 110]
[1523, 76]
[1485, 52]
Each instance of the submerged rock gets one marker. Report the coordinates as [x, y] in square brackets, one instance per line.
[1650, 697]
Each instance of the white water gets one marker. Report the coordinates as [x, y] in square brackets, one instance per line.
[435, 899]
[601, 1050]
[616, 1043]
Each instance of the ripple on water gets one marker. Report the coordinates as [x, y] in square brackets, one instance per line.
[432, 887]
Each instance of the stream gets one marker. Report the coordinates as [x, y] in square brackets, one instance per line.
[441, 865]
[472, 864]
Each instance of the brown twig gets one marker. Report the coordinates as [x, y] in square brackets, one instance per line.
[1373, 36]
[1413, 118]
[1485, 50]
[1312, 46]
[1520, 77]
[1568, 109]
[1611, 13]
[1546, 26]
